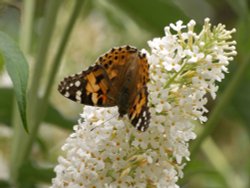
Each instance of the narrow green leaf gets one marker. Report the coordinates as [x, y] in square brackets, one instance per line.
[10, 19]
[17, 68]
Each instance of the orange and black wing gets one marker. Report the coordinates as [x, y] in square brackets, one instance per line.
[115, 60]
[139, 111]
[99, 85]
[139, 114]
[89, 87]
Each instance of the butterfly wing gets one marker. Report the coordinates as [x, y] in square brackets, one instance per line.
[115, 60]
[139, 114]
[102, 84]
[139, 111]
[89, 87]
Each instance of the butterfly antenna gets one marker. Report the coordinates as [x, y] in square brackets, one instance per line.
[105, 121]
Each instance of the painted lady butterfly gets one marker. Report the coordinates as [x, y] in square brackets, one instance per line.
[118, 78]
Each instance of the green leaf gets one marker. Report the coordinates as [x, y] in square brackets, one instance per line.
[154, 15]
[18, 70]
[53, 116]
[10, 16]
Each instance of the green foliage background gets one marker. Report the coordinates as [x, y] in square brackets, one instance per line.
[43, 41]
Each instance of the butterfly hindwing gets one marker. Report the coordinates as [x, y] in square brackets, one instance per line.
[139, 112]
[89, 87]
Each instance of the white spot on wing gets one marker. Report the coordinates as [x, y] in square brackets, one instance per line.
[78, 98]
[77, 83]
[78, 93]
[66, 94]
[138, 123]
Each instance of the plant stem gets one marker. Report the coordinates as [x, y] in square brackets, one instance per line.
[48, 28]
[62, 45]
[218, 110]
[26, 27]
[18, 131]
[21, 140]
[43, 103]
[171, 80]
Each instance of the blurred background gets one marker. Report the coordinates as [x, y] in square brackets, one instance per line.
[223, 157]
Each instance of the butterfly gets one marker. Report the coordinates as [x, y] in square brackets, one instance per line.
[118, 78]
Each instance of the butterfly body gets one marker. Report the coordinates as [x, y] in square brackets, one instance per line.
[117, 79]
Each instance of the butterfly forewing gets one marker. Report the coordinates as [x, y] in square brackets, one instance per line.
[116, 60]
[89, 87]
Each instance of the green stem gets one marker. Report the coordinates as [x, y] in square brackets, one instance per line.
[33, 103]
[41, 111]
[48, 28]
[173, 78]
[20, 142]
[43, 103]
[218, 110]
[62, 45]
[18, 131]
[27, 25]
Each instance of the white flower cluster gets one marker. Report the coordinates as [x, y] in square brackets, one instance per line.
[184, 66]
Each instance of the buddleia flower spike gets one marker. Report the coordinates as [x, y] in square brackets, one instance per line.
[118, 78]
[163, 93]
